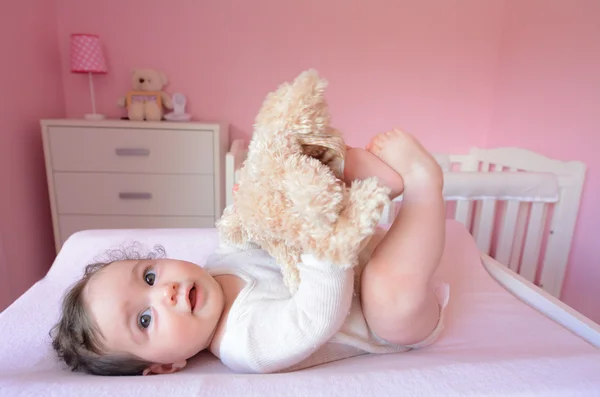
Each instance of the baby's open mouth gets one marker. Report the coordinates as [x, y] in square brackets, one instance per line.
[192, 297]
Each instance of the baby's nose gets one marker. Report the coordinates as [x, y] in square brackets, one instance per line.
[170, 293]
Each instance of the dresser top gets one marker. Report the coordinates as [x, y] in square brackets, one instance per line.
[119, 123]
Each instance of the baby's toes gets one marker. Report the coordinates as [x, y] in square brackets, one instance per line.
[376, 145]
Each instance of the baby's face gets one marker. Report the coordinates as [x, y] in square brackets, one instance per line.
[164, 311]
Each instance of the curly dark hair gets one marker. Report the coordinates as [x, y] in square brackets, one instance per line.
[75, 337]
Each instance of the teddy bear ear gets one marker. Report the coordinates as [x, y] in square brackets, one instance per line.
[134, 70]
[163, 78]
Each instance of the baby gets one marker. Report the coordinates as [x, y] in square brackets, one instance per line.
[134, 317]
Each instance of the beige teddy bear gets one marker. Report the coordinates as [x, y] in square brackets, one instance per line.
[290, 198]
[146, 99]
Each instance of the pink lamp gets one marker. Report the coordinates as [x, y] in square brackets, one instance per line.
[87, 57]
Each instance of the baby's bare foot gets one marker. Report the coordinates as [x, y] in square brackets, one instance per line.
[405, 154]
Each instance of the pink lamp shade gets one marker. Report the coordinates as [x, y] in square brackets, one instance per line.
[86, 54]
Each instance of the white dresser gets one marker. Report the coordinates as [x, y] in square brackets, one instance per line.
[119, 174]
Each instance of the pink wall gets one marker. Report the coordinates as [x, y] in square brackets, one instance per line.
[428, 65]
[459, 73]
[548, 100]
[33, 89]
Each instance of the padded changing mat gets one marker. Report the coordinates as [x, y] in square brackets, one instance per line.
[493, 344]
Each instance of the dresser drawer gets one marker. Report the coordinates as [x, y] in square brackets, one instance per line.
[108, 149]
[70, 224]
[134, 194]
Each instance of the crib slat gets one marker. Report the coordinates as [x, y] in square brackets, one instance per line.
[483, 225]
[463, 212]
[519, 237]
[518, 233]
[464, 208]
[507, 232]
[533, 241]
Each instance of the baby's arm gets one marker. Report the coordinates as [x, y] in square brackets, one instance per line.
[272, 335]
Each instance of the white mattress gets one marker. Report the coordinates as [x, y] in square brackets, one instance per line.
[493, 344]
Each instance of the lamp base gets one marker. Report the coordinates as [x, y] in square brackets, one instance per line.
[94, 116]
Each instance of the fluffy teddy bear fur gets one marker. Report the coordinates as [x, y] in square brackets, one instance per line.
[151, 81]
[290, 197]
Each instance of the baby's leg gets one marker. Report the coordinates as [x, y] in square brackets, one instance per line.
[362, 164]
[398, 300]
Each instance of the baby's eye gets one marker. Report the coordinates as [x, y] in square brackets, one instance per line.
[149, 277]
[145, 319]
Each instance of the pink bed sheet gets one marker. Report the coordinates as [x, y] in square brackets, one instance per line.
[493, 344]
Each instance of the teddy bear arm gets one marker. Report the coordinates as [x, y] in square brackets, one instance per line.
[356, 224]
[287, 257]
[121, 102]
[166, 100]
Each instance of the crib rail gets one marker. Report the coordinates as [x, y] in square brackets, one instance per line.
[520, 207]
[531, 233]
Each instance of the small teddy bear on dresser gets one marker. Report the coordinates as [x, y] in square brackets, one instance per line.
[147, 99]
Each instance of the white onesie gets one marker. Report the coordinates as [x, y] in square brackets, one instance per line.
[270, 330]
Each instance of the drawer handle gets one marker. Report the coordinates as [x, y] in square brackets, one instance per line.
[132, 152]
[135, 195]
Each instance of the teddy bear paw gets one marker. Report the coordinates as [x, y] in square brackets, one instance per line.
[367, 200]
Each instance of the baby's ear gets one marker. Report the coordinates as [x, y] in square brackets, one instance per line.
[160, 369]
